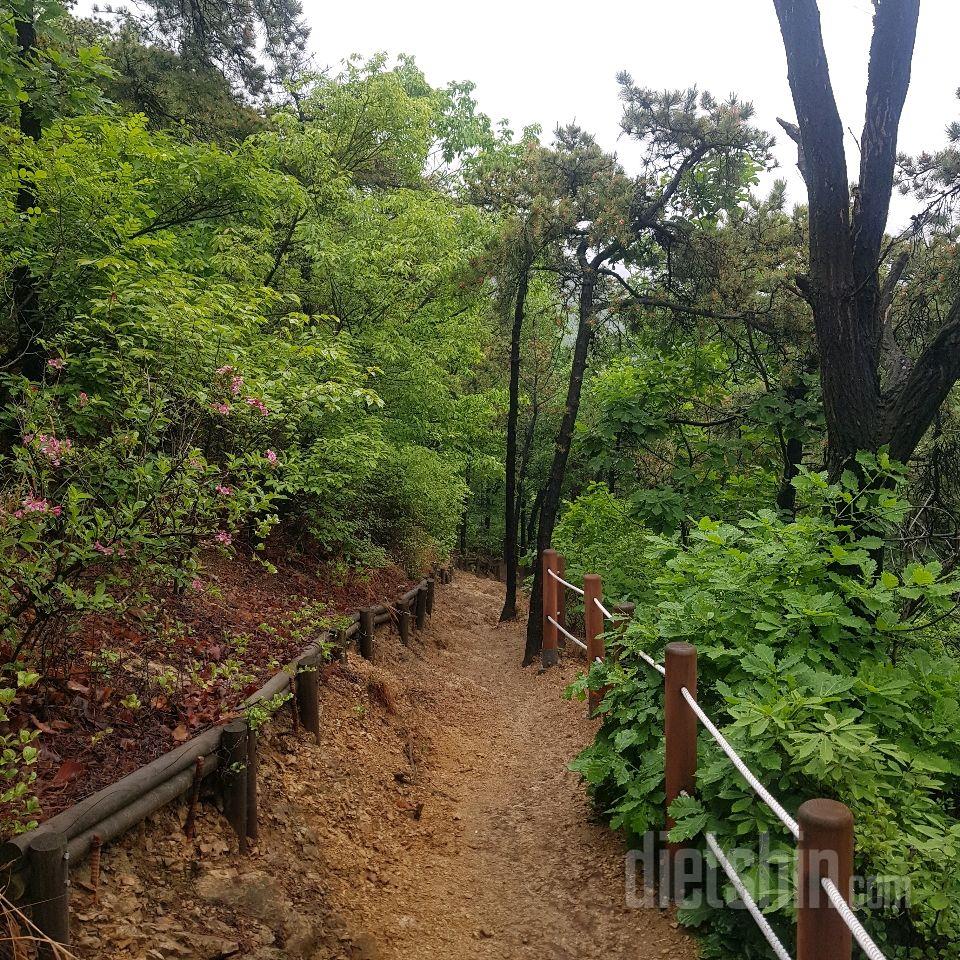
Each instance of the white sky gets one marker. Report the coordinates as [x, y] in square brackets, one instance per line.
[535, 61]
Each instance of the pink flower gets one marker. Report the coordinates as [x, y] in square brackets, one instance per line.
[235, 384]
[271, 456]
[100, 548]
[53, 449]
[56, 363]
[197, 584]
[224, 370]
[33, 504]
[224, 538]
[258, 405]
[224, 491]
[222, 408]
[82, 398]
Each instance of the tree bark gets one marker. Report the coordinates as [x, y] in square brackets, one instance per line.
[511, 513]
[554, 486]
[843, 285]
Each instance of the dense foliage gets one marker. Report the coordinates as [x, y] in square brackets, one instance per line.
[813, 675]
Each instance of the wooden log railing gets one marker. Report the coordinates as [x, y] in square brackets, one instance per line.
[36, 864]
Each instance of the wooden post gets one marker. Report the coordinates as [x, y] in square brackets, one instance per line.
[422, 606]
[548, 650]
[561, 595]
[680, 734]
[365, 636]
[233, 747]
[825, 850]
[49, 890]
[341, 644]
[404, 626]
[308, 695]
[253, 766]
[593, 623]
[431, 591]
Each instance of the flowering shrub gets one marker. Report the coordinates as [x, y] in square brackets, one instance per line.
[87, 524]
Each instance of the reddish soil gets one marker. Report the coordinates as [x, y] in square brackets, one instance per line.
[435, 820]
[188, 659]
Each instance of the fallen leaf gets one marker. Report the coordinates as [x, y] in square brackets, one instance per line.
[69, 770]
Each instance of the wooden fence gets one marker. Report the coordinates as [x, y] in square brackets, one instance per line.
[37, 863]
[826, 926]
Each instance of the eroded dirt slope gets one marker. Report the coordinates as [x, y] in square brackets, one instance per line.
[436, 820]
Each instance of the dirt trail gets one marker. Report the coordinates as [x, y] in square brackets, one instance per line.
[436, 820]
[524, 870]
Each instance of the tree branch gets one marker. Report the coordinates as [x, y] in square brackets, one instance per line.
[911, 409]
[891, 53]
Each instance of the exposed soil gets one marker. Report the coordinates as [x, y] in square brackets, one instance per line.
[436, 820]
[135, 686]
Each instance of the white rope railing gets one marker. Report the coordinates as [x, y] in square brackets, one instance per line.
[859, 934]
[758, 787]
[556, 576]
[653, 663]
[748, 901]
[643, 656]
[568, 634]
[603, 609]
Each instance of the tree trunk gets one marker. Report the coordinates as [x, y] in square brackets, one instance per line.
[561, 453]
[511, 514]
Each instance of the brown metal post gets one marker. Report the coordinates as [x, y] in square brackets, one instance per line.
[49, 890]
[561, 595]
[233, 748]
[365, 636]
[548, 650]
[431, 590]
[680, 735]
[421, 609]
[593, 623]
[825, 851]
[308, 695]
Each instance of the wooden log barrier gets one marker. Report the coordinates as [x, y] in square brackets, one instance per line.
[421, 606]
[253, 774]
[233, 778]
[49, 896]
[594, 628]
[365, 635]
[308, 694]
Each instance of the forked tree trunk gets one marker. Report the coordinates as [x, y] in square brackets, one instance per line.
[847, 243]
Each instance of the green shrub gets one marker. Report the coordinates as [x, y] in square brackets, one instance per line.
[811, 673]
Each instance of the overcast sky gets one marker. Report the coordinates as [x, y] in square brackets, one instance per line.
[535, 61]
